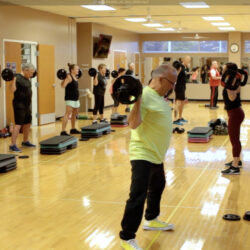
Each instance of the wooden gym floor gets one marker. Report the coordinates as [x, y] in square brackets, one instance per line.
[76, 200]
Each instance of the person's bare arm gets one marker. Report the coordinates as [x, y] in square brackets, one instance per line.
[66, 81]
[96, 80]
[134, 118]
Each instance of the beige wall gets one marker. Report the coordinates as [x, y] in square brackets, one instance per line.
[121, 40]
[84, 57]
[20, 23]
[235, 37]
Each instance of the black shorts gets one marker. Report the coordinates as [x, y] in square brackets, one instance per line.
[116, 102]
[180, 94]
[22, 116]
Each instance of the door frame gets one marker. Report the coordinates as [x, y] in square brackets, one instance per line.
[4, 84]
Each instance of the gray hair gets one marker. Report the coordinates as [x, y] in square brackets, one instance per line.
[28, 66]
[129, 64]
[162, 70]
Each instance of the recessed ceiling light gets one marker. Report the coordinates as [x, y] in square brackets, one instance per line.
[154, 25]
[98, 7]
[136, 20]
[226, 28]
[166, 29]
[221, 24]
[195, 5]
[213, 18]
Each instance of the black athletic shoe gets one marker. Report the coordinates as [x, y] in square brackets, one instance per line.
[64, 133]
[229, 164]
[104, 120]
[95, 122]
[75, 131]
[231, 171]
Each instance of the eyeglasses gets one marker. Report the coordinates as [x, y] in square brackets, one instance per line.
[173, 83]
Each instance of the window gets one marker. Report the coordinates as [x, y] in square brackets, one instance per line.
[185, 46]
[155, 46]
[247, 46]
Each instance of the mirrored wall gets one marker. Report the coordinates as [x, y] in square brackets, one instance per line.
[199, 66]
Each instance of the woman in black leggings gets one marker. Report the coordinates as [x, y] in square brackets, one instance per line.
[100, 83]
[235, 118]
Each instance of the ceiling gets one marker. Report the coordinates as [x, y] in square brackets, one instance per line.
[187, 20]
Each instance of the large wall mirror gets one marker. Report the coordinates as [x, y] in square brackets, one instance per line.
[199, 66]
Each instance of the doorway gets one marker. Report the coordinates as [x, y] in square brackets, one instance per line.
[15, 54]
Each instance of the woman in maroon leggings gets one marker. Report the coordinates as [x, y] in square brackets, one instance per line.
[235, 118]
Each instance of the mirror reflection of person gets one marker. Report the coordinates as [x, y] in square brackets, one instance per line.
[195, 75]
[214, 81]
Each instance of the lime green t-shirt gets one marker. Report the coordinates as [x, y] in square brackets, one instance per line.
[151, 139]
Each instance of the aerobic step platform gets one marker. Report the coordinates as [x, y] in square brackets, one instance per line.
[96, 130]
[58, 144]
[7, 163]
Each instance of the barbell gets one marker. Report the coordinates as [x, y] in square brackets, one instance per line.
[127, 89]
[232, 79]
[8, 74]
[93, 72]
[62, 74]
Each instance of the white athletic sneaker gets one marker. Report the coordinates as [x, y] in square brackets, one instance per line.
[156, 225]
[130, 245]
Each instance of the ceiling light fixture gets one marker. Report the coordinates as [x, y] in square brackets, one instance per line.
[136, 20]
[154, 25]
[194, 5]
[226, 28]
[98, 7]
[213, 18]
[166, 29]
[221, 24]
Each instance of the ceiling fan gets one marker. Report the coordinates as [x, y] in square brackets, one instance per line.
[151, 20]
[196, 37]
[179, 28]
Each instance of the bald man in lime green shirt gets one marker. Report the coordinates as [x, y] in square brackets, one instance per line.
[151, 123]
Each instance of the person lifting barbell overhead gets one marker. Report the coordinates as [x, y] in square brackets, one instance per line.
[100, 83]
[115, 75]
[21, 87]
[232, 80]
[151, 123]
[70, 84]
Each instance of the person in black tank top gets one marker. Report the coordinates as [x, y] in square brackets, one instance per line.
[236, 116]
[22, 89]
[71, 98]
[100, 84]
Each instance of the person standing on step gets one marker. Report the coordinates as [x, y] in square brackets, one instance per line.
[70, 84]
[131, 72]
[100, 83]
[151, 123]
[236, 116]
[214, 81]
[180, 89]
